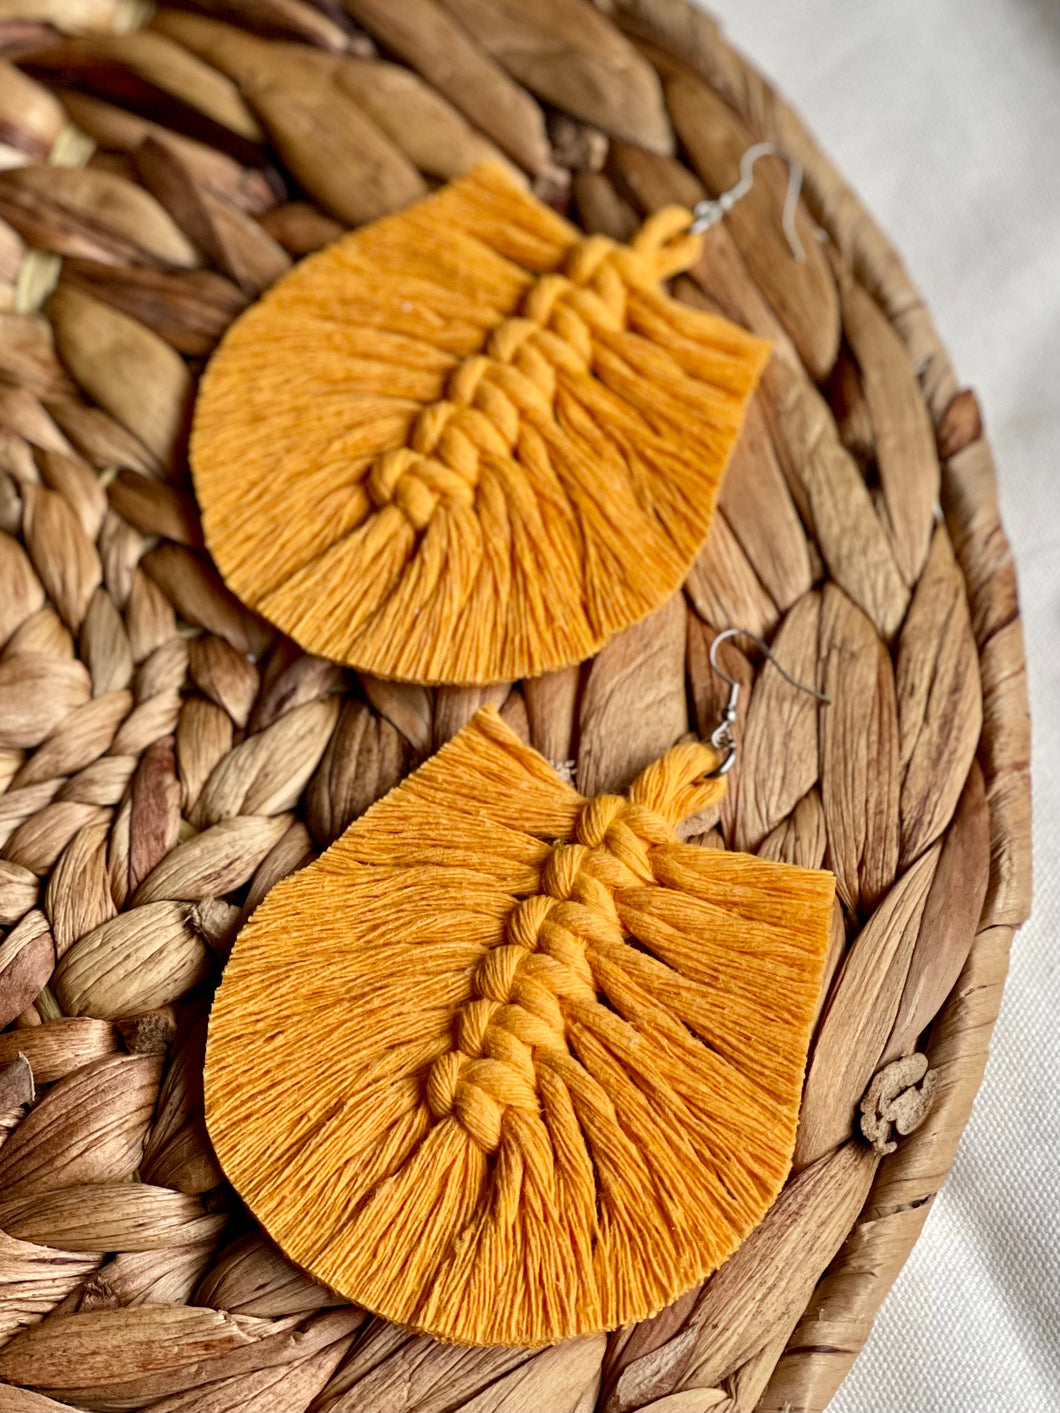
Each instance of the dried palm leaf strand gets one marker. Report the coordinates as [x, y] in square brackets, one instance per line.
[431, 134]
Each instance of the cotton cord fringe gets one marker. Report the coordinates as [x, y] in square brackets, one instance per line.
[507, 1064]
[467, 443]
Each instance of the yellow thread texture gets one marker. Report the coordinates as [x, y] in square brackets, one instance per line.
[508, 1065]
[466, 443]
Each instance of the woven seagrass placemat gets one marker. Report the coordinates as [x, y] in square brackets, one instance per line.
[167, 759]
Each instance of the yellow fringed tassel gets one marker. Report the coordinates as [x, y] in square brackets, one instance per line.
[466, 443]
[508, 1065]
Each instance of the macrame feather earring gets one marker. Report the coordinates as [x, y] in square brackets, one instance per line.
[466, 443]
[507, 1064]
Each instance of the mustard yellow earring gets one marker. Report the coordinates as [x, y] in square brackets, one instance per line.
[466, 443]
[507, 1064]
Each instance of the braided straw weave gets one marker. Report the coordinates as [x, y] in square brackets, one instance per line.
[166, 758]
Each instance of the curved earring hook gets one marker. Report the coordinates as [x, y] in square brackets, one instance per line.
[766, 652]
[721, 738]
[708, 213]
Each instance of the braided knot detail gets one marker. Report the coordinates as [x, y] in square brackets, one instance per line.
[516, 1017]
[489, 393]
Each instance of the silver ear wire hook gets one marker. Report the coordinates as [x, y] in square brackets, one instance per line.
[708, 213]
[721, 738]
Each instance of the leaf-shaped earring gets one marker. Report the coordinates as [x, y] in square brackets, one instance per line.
[507, 1064]
[467, 443]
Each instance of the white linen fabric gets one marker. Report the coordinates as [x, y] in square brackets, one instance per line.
[945, 117]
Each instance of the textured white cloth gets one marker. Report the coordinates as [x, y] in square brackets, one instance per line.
[945, 116]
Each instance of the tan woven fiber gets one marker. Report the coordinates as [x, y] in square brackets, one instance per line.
[165, 758]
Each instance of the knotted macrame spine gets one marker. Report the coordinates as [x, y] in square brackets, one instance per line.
[564, 1050]
[468, 444]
